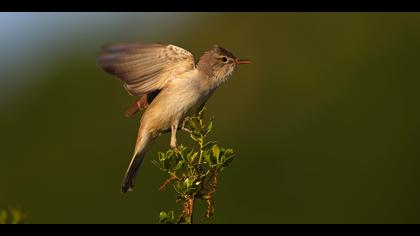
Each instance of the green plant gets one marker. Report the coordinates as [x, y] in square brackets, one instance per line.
[11, 216]
[193, 174]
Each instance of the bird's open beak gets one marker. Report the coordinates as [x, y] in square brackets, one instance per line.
[243, 61]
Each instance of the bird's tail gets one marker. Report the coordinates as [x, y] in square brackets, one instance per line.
[144, 142]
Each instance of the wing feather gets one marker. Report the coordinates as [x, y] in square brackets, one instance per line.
[144, 68]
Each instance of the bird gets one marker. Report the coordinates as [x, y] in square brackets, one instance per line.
[169, 87]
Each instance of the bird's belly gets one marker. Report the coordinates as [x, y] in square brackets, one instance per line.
[185, 105]
[171, 108]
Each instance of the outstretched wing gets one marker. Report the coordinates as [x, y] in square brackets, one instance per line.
[144, 68]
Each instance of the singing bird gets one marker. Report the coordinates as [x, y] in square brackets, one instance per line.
[169, 86]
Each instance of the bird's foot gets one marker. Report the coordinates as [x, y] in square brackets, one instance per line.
[176, 150]
[187, 130]
[184, 123]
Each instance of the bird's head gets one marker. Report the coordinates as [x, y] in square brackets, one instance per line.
[218, 63]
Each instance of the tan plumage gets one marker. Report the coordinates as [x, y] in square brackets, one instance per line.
[144, 68]
[169, 86]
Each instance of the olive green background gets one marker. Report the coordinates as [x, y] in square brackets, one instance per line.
[325, 122]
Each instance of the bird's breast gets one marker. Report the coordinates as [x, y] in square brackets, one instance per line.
[177, 100]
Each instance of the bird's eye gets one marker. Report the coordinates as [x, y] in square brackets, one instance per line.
[224, 59]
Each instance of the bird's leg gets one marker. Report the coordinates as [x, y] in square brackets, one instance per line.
[173, 144]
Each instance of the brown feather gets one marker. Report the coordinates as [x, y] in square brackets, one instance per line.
[144, 68]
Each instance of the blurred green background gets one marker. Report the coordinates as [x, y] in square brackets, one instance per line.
[325, 122]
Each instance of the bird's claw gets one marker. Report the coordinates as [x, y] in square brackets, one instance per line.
[175, 149]
[187, 130]
[183, 125]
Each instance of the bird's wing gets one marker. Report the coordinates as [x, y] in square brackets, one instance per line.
[144, 68]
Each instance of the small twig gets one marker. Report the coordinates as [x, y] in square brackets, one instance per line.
[209, 196]
[201, 143]
[167, 182]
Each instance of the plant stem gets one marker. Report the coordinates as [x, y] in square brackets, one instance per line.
[189, 209]
[201, 143]
[193, 179]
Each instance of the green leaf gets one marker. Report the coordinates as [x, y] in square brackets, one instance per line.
[207, 158]
[163, 216]
[227, 161]
[179, 165]
[208, 144]
[182, 155]
[216, 152]
[229, 152]
[178, 188]
[209, 128]
[166, 217]
[188, 186]
[188, 183]
[193, 156]
[190, 153]
[192, 123]
[171, 215]
[184, 152]
[169, 153]
[162, 156]
[197, 133]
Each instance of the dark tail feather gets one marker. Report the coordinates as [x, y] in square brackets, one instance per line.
[144, 142]
[130, 175]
